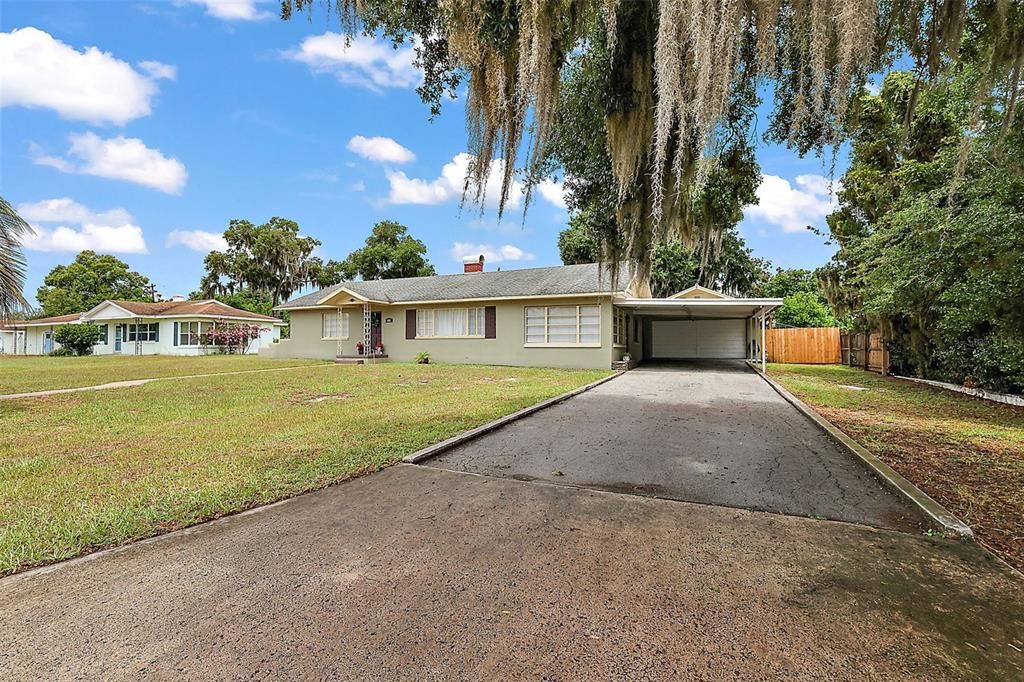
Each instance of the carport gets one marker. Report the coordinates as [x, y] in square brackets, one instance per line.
[715, 327]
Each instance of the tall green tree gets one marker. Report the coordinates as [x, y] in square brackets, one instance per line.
[931, 231]
[390, 252]
[271, 259]
[712, 254]
[91, 279]
[13, 229]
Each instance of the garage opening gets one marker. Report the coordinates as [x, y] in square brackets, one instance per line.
[710, 326]
[693, 339]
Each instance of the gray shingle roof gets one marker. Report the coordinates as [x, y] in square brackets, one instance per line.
[566, 279]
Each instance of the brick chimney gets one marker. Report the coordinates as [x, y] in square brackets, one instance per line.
[471, 264]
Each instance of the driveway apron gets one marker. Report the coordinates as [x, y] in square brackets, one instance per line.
[711, 432]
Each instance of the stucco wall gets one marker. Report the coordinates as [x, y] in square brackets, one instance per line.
[507, 348]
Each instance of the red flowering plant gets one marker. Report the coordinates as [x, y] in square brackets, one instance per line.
[230, 337]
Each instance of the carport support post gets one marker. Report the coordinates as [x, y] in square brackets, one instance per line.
[763, 354]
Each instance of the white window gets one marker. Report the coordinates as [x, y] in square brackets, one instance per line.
[330, 325]
[144, 332]
[449, 323]
[620, 330]
[563, 325]
[194, 333]
[103, 335]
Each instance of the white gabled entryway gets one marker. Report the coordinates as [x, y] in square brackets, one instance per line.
[708, 339]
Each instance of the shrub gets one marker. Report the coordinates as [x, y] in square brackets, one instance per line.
[423, 358]
[231, 337]
[76, 339]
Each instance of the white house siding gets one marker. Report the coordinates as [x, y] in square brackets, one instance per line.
[507, 348]
[34, 338]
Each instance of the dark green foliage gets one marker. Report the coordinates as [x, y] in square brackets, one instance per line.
[76, 339]
[390, 252]
[268, 260]
[931, 233]
[718, 258]
[91, 279]
[804, 303]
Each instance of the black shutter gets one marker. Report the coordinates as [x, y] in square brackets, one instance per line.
[175, 339]
[490, 322]
[410, 323]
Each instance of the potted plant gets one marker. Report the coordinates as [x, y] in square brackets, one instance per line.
[359, 347]
[626, 357]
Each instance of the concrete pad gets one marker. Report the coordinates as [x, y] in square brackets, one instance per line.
[419, 573]
[711, 432]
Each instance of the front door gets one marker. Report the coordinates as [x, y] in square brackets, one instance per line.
[47, 343]
[375, 330]
[118, 331]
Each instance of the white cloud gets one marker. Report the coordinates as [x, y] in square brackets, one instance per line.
[197, 240]
[66, 210]
[552, 191]
[120, 158]
[40, 72]
[448, 186]
[110, 231]
[159, 70]
[233, 10]
[380, 149]
[491, 253]
[363, 61]
[103, 238]
[358, 186]
[794, 208]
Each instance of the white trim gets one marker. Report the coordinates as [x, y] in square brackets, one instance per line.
[561, 345]
[101, 304]
[481, 315]
[768, 303]
[344, 290]
[696, 287]
[579, 327]
[453, 301]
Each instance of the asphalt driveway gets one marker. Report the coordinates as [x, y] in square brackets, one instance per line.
[711, 432]
[419, 573]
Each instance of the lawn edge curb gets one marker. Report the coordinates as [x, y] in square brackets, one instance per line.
[938, 515]
[437, 448]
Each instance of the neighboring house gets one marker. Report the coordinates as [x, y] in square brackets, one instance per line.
[132, 328]
[568, 316]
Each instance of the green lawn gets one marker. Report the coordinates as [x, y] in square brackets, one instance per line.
[82, 471]
[966, 453]
[23, 374]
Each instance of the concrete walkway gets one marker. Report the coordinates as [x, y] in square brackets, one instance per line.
[141, 382]
[420, 573]
[712, 432]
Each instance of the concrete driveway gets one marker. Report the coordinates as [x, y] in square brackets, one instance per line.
[712, 432]
[420, 573]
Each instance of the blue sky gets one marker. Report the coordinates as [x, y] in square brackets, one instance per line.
[141, 129]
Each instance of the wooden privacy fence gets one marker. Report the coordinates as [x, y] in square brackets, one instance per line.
[865, 350]
[805, 346]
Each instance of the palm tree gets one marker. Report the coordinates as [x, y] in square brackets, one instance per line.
[13, 229]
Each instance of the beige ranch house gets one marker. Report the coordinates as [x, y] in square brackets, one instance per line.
[172, 327]
[567, 316]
